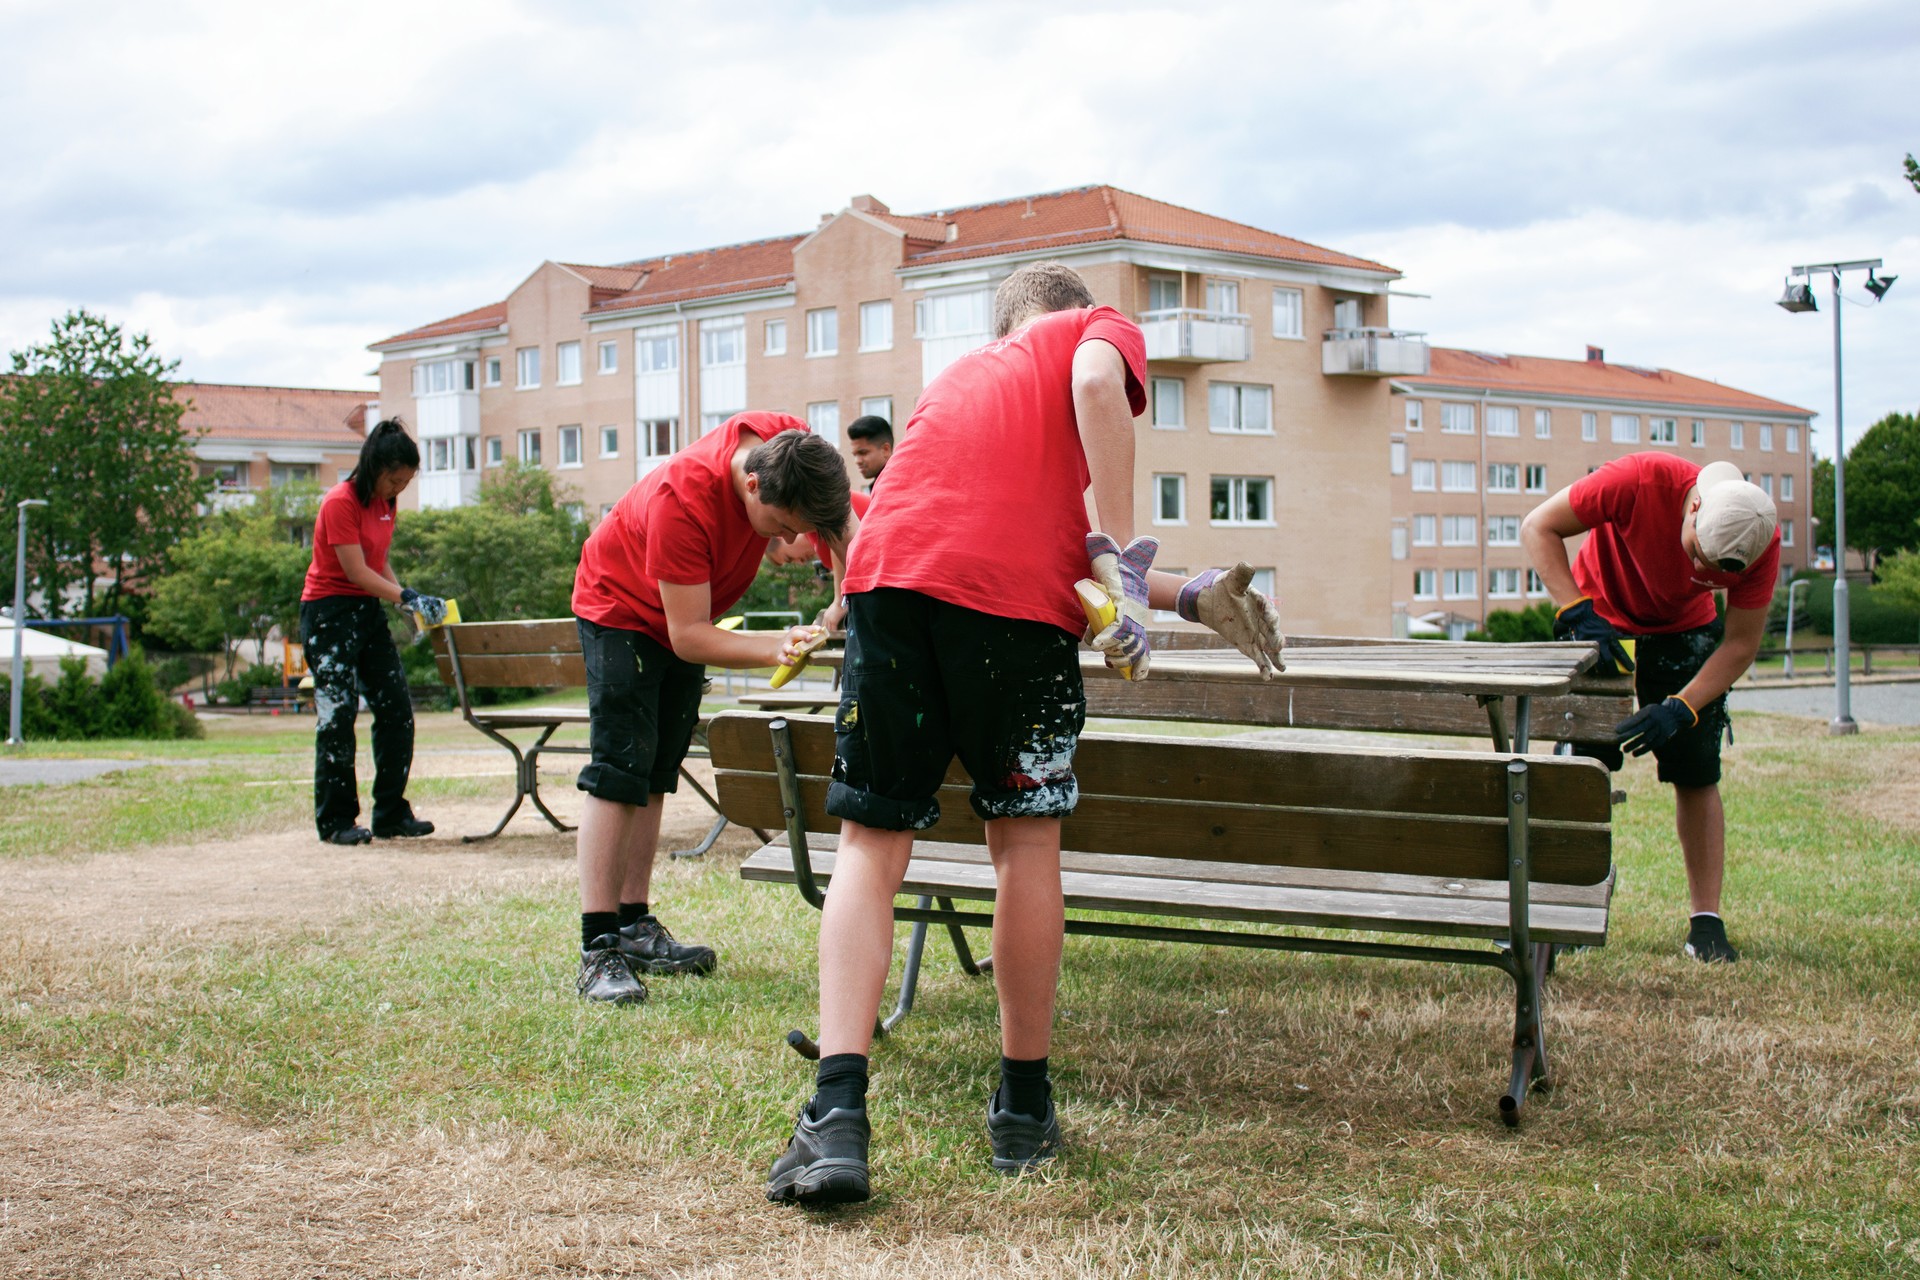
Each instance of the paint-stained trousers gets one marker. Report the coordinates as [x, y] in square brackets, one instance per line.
[350, 652]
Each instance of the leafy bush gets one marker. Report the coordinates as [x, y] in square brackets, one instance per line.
[1878, 615]
[1507, 626]
[261, 675]
[793, 587]
[124, 703]
[512, 555]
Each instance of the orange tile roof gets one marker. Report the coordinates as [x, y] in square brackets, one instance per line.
[491, 316]
[327, 419]
[1586, 379]
[708, 273]
[620, 279]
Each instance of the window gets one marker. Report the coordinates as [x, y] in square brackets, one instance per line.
[493, 451]
[823, 331]
[1766, 484]
[1457, 477]
[712, 421]
[1456, 419]
[530, 447]
[527, 367]
[609, 357]
[1288, 313]
[1699, 436]
[1423, 530]
[1543, 424]
[776, 343]
[1766, 437]
[1589, 427]
[1503, 477]
[1423, 469]
[1626, 428]
[1460, 584]
[1503, 582]
[657, 352]
[1662, 431]
[1423, 584]
[1240, 407]
[1786, 486]
[440, 377]
[877, 407]
[659, 437]
[570, 446]
[824, 418]
[876, 326]
[1536, 477]
[1786, 533]
[1793, 439]
[472, 454]
[1503, 531]
[609, 442]
[1398, 545]
[1737, 434]
[1262, 582]
[1170, 499]
[1415, 421]
[1346, 313]
[1457, 531]
[723, 342]
[439, 455]
[956, 315]
[1502, 420]
[1397, 457]
[1242, 500]
[1163, 293]
[1170, 403]
[493, 371]
[1536, 585]
[1223, 297]
[568, 360]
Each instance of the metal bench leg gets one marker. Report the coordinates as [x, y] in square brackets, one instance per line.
[498, 827]
[519, 785]
[533, 779]
[960, 948]
[1526, 960]
[720, 822]
[706, 841]
[909, 973]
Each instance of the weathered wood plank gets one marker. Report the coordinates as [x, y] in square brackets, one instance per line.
[527, 670]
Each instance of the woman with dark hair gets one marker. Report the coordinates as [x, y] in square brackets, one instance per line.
[348, 642]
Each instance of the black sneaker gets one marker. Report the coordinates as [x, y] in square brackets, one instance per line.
[1019, 1141]
[1707, 941]
[604, 974]
[826, 1162]
[407, 827]
[648, 947]
[350, 836]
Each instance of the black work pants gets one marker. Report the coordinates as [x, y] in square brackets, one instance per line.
[350, 651]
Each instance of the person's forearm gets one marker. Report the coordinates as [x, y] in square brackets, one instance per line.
[1163, 589]
[709, 646]
[1717, 674]
[374, 584]
[1106, 435]
[1547, 552]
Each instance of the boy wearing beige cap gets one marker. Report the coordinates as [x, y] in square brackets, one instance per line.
[1663, 536]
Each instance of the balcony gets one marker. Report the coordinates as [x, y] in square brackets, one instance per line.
[1197, 337]
[230, 497]
[1373, 353]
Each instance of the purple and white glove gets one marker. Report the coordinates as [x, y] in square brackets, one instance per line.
[1123, 575]
[1224, 600]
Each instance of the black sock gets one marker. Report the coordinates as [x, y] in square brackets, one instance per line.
[842, 1082]
[1024, 1087]
[631, 911]
[596, 924]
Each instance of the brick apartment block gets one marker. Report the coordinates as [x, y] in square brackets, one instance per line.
[250, 438]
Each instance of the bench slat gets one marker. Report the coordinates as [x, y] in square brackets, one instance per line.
[538, 635]
[1562, 718]
[523, 670]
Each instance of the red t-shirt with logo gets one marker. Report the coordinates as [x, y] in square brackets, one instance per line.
[985, 497]
[1632, 563]
[682, 523]
[824, 549]
[340, 522]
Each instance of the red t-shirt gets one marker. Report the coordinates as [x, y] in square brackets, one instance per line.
[985, 504]
[342, 520]
[824, 549]
[1632, 563]
[682, 523]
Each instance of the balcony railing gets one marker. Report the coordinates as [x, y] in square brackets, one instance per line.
[1373, 353]
[1202, 337]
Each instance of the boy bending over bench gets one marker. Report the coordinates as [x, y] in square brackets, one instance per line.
[962, 637]
[676, 552]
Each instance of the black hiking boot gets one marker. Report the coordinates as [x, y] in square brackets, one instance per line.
[1021, 1142]
[649, 948]
[1707, 941]
[604, 975]
[349, 836]
[826, 1162]
[407, 827]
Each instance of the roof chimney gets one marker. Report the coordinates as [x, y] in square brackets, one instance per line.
[1596, 355]
[867, 204]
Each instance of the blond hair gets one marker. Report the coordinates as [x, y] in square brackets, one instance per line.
[1035, 289]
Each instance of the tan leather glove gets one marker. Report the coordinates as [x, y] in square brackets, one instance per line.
[1224, 600]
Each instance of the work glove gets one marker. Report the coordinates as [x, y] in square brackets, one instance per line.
[1123, 576]
[432, 609]
[1223, 600]
[1578, 621]
[1655, 726]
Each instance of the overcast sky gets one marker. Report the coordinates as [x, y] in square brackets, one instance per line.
[266, 191]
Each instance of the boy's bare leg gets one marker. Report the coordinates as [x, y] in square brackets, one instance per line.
[856, 934]
[642, 841]
[601, 851]
[1701, 823]
[1029, 928]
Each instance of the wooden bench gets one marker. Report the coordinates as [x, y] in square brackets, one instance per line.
[542, 654]
[277, 697]
[1453, 844]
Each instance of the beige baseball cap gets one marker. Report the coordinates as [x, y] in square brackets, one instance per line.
[1737, 519]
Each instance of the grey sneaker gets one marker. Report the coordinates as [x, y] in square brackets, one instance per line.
[605, 976]
[1707, 941]
[826, 1162]
[649, 948]
[1019, 1141]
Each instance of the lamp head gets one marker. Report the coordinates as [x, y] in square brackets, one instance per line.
[1878, 285]
[1798, 297]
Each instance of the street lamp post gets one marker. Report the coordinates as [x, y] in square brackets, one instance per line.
[19, 624]
[1792, 587]
[1800, 298]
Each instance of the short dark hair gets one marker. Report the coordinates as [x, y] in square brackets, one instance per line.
[804, 474]
[872, 427]
[388, 447]
[1035, 289]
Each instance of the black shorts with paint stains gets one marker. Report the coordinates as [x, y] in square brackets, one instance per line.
[1663, 666]
[643, 703]
[926, 681]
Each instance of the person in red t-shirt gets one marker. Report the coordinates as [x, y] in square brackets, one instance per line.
[962, 640]
[1662, 536]
[349, 648]
[674, 554]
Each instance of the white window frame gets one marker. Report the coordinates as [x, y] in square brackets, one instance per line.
[492, 452]
[1289, 315]
[1503, 531]
[1663, 431]
[823, 419]
[1536, 585]
[1697, 433]
[1426, 475]
[774, 338]
[530, 447]
[656, 352]
[1766, 483]
[1456, 419]
[823, 332]
[876, 325]
[1503, 420]
[1223, 297]
[1178, 490]
[1460, 584]
[1786, 533]
[1176, 389]
[648, 431]
[493, 371]
[526, 368]
[575, 435]
[1497, 580]
[1451, 474]
[609, 442]
[1426, 531]
[1543, 424]
[1237, 398]
[566, 354]
[1459, 531]
[1534, 479]
[1157, 285]
[609, 355]
[1503, 477]
[1397, 457]
[1786, 486]
[1416, 415]
[1736, 435]
[1625, 428]
[1397, 541]
[1766, 437]
[1426, 584]
[1793, 439]
[1238, 488]
[877, 407]
[723, 344]
[1590, 427]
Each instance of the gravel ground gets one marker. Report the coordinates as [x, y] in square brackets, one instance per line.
[1872, 703]
[27, 773]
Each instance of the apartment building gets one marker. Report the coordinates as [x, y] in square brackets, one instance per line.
[1268, 360]
[1482, 437]
[247, 439]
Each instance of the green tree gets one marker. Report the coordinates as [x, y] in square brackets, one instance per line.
[1508, 626]
[1823, 501]
[1913, 171]
[89, 422]
[1883, 488]
[238, 578]
[512, 555]
[1900, 578]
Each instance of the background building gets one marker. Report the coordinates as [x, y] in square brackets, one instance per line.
[1482, 437]
[251, 438]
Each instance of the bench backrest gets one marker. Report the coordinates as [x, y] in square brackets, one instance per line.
[540, 654]
[1353, 809]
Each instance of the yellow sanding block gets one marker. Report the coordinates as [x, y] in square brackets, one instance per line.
[731, 624]
[453, 616]
[1100, 610]
[788, 671]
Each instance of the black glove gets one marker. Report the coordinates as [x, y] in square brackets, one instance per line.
[1655, 726]
[1578, 621]
[432, 609]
